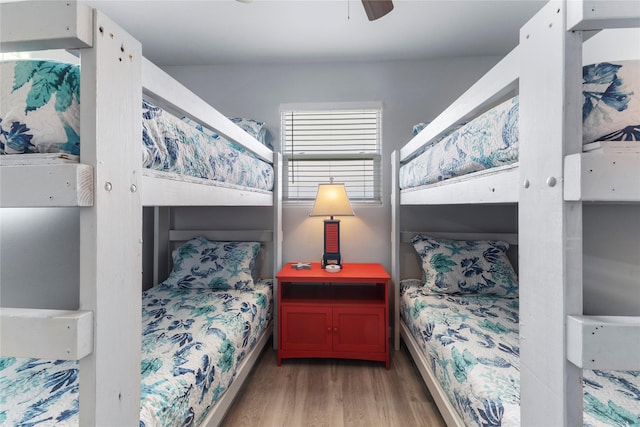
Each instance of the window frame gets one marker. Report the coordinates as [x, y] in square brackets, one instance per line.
[376, 157]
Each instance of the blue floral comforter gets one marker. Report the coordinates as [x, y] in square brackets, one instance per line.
[40, 113]
[610, 112]
[192, 344]
[472, 344]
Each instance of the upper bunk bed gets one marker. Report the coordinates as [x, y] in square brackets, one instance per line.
[190, 153]
[469, 153]
[553, 176]
[109, 187]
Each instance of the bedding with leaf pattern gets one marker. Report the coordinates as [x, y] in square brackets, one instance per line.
[192, 343]
[40, 113]
[610, 112]
[472, 345]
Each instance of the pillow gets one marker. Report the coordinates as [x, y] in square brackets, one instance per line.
[204, 264]
[418, 128]
[255, 128]
[466, 266]
[611, 101]
[39, 107]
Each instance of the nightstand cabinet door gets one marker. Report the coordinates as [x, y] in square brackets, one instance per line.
[306, 327]
[359, 329]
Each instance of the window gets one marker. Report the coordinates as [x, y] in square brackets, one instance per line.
[342, 144]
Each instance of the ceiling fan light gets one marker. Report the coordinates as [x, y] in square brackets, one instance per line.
[377, 8]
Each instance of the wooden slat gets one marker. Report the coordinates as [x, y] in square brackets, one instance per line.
[601, 177]
[66, 184]
[488, 91]
[604, 342]
[46, 334]
[511, 238]
[222, 235]
[602, 14]
[497, 185]
[38, 25]
[159, 191]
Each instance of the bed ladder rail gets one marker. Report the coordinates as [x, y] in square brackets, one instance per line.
[604, 342]
[600, 14]
[46, 334]
[61, 25]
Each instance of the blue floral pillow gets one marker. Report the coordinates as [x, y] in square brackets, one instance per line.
[466, 266]
[204, 264]
[40, 108]
[255, 128]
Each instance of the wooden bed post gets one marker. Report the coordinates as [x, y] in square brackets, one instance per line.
[111, 230]
[550, 248]
[277, 238]
[395, 247]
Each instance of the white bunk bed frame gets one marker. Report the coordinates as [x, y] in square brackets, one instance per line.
[108, 184]
[550, 184]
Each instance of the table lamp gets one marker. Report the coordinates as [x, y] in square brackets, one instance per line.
[331, 200]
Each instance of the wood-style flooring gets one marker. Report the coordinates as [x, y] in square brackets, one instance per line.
[333, 393]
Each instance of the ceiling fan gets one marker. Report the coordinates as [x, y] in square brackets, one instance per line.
[377, 8]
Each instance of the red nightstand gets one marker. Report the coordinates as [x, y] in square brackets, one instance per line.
[341, 315]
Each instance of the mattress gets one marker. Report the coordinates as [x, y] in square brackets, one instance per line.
[472, 345]
[610, 112]
[192, 343]
[40, 113]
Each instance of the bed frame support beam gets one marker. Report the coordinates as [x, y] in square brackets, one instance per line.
[550, 229]
[111, 230]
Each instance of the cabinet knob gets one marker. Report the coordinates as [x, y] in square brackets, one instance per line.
[329, 329]
[335, 330]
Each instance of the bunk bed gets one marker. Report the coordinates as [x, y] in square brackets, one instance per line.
[110, 187]
[548, 182]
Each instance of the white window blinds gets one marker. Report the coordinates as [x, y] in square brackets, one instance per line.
[339, 144]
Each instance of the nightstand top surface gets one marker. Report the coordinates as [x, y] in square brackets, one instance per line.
[349, 272]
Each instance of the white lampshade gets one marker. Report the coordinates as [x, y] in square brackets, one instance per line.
[332, 200]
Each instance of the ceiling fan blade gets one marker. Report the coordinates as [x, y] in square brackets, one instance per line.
[377, 8]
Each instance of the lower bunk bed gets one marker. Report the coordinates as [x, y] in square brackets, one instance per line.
[202, 330]
[460, 323]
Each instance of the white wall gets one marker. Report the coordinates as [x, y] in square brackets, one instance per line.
[411, 92]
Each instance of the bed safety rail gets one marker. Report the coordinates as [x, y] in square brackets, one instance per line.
[163, 87]
[493, 87]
